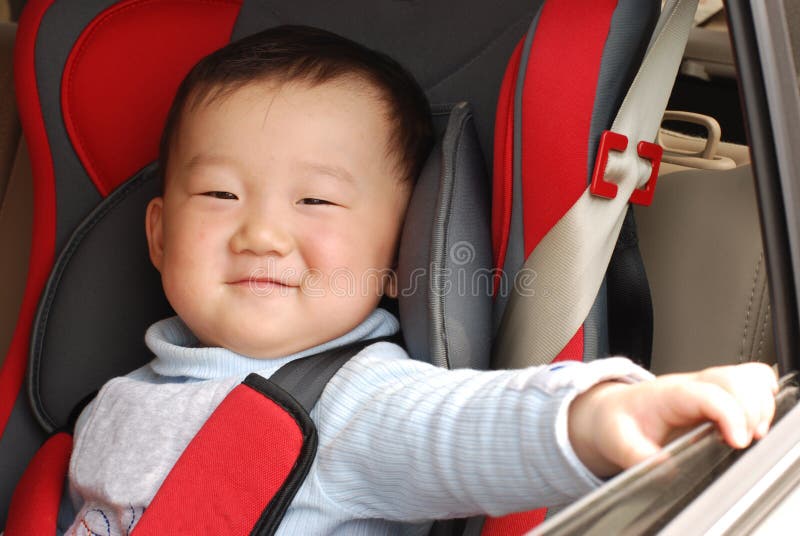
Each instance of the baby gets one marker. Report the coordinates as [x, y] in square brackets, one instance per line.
[288, 159]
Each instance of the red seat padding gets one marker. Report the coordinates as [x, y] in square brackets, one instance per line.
[35, 503]
[115, 116]
[262, 443]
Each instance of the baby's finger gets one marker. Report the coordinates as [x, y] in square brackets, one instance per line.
[712, 402]
[751, 385]
[767, 403]
[767, 414]
[768, 410]
[758, 375]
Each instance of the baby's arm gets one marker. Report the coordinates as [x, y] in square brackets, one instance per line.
[614, 426]
[403, 440]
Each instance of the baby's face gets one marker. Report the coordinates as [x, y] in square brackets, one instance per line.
[281, 214]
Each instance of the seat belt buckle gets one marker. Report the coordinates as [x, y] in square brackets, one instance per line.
[612, 141]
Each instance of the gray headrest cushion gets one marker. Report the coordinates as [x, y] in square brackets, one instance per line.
[444, 271]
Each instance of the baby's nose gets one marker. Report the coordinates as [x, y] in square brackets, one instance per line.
[262, 235]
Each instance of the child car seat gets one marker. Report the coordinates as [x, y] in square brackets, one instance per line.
[91, 125]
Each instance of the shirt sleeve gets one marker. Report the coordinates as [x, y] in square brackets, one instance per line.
[404, 440]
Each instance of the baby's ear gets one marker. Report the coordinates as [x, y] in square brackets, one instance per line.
[154, 226]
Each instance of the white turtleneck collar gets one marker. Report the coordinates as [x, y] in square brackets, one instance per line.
[176, 354]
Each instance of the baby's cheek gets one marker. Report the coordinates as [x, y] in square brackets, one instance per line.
[179, 292]
[325, 248]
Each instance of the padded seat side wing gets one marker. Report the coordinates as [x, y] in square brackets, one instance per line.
[55, 43]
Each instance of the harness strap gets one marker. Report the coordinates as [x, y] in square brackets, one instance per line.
[305, 379]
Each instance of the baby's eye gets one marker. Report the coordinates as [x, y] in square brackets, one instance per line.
[220, 195]
[314, 201]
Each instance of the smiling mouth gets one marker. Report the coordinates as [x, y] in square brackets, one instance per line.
[262, 283]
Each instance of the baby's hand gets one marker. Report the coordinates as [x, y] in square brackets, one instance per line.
[613, 426]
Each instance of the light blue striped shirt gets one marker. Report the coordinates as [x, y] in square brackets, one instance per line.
[400, 442]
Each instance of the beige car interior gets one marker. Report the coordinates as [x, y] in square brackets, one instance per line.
[700, 239]
[702, 250]
[708, 52]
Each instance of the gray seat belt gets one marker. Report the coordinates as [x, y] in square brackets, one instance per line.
[571, 260]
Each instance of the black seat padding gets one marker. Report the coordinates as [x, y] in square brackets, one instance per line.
[456, 50]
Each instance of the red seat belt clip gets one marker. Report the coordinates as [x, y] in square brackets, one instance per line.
[653, 152]
[608, 141]
[611, 141]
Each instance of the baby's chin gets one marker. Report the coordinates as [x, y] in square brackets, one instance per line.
[258, 349]
[275, 335]
[266, 347]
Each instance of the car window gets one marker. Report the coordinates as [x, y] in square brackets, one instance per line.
[752, 496]
[644, 499]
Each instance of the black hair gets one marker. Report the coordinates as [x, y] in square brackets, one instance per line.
[315, 56]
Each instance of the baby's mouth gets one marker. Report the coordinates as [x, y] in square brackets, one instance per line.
[263, 287]
[263, 282]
